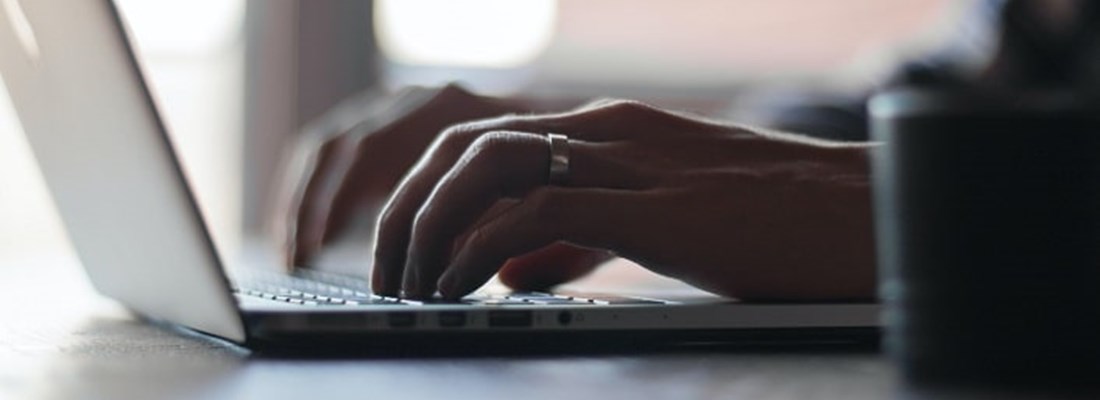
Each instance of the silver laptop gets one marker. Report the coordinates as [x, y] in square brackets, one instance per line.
[109, 164]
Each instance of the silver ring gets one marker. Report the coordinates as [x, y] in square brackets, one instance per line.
[559, 158]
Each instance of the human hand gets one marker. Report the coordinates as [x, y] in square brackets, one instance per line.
[349, 162]
[735, 211]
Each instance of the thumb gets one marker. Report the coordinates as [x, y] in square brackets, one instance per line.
[550, 266]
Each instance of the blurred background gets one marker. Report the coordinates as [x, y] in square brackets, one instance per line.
[236, 79]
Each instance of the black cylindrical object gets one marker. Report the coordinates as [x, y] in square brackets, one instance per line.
[988, 235]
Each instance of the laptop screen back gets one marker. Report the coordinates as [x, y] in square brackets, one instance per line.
[108, 163]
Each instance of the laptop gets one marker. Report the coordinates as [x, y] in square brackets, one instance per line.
[109, 164]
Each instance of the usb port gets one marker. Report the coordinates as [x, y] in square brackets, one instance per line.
[401, 319]
[510, 318]
[452, 319]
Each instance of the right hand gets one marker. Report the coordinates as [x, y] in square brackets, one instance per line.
[737, 211]
[344, 172]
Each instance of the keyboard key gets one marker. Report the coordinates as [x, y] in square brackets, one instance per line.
[312, 288]
[503, 302]
[529, 295]
[559, 301]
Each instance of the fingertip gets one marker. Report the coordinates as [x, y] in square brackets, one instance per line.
[297, 258]
[549, 267]
[410, 282]
[520, 278]
[449, 286]
[301, 254]
[377, 285]
[288, 261]
[385, 279]
[288, 249]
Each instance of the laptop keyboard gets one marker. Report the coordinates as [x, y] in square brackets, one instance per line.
[308, 288]
[319, 296]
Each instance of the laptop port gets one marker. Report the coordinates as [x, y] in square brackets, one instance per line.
[452, 319]
[565, 318]
[401, 319]
[510, 318]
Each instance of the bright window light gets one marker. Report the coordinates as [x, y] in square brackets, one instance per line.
[193, 54]
[184, 28]
[468, 33]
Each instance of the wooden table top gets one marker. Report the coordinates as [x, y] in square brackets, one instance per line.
[61, 340]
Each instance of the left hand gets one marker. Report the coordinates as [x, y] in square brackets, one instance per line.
[728, 209]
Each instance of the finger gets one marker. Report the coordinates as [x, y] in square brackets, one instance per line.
[391, 148]
[370, 178]
[550, 266]
[303, 234]
[321, 141]
[395, 221]
[599, 124]
[592, 218]
[333, 178]
[497, 166]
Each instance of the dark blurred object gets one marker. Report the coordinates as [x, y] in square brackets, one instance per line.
[1021, 44]
[1001, 44]
[988, 230]
[988, 202]
[1047, 44]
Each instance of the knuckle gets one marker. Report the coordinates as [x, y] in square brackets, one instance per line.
[327, 148]
[331, 143]
[622, 106]
[488, 149]
[613, 112]
[362, 142]
[491, 141]
[459, 137]
[455, 132]
[454, 138]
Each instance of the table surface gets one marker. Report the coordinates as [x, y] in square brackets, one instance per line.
[61, 340]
